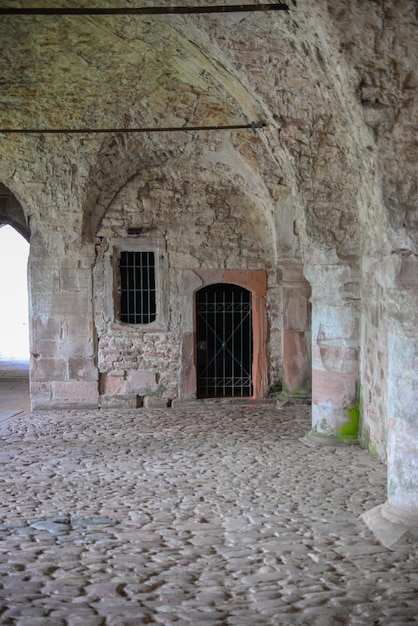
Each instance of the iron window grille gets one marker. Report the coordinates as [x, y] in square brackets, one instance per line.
[137, 287]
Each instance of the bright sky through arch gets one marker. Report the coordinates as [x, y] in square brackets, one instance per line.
[14, 333]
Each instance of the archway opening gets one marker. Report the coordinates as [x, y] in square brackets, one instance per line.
[14, 327]
[224, 341]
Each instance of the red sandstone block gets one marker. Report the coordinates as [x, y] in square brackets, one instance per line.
[296, 360]
[338, 388]
[335, 358]
[44, 369]
[74, 329]
[112, 385]
[295, 312]
[82, 368]
[141, 382]
[76, 392]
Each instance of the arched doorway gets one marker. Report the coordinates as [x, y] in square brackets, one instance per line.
[224, 341]
[194, 285]
[14, 329]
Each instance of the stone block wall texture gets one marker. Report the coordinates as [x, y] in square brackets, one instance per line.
[203, 227]
[63, 370]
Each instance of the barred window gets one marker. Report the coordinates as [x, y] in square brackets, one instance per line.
[137, 287]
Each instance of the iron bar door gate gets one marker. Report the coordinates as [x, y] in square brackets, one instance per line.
[224, 341]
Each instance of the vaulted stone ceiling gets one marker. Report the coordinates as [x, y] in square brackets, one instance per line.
[333, 82]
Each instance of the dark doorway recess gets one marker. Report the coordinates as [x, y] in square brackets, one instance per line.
[224, 341]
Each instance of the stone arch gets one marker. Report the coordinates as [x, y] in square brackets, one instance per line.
[231, 214]
[118, 161]
[11, 212]
[234, 157]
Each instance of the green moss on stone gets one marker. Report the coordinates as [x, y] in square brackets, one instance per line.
[351, 428]
[348, 433]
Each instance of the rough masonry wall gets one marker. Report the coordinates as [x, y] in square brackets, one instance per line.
[203, 224]
[374, 428]
[386, 87]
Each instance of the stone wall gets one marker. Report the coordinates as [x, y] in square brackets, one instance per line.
[196, 224]
[386, 87]
[374, 330]
[62, 334]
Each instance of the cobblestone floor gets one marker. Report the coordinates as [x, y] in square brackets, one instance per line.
[203, 515]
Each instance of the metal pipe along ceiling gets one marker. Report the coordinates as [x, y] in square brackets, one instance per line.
[169, 10]
[150, 129]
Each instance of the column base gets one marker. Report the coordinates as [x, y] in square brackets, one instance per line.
[392, 533]
[314, 439]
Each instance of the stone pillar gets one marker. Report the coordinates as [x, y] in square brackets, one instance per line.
[335, 354]
[63, 373]
[296, 330]
[395, 523]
